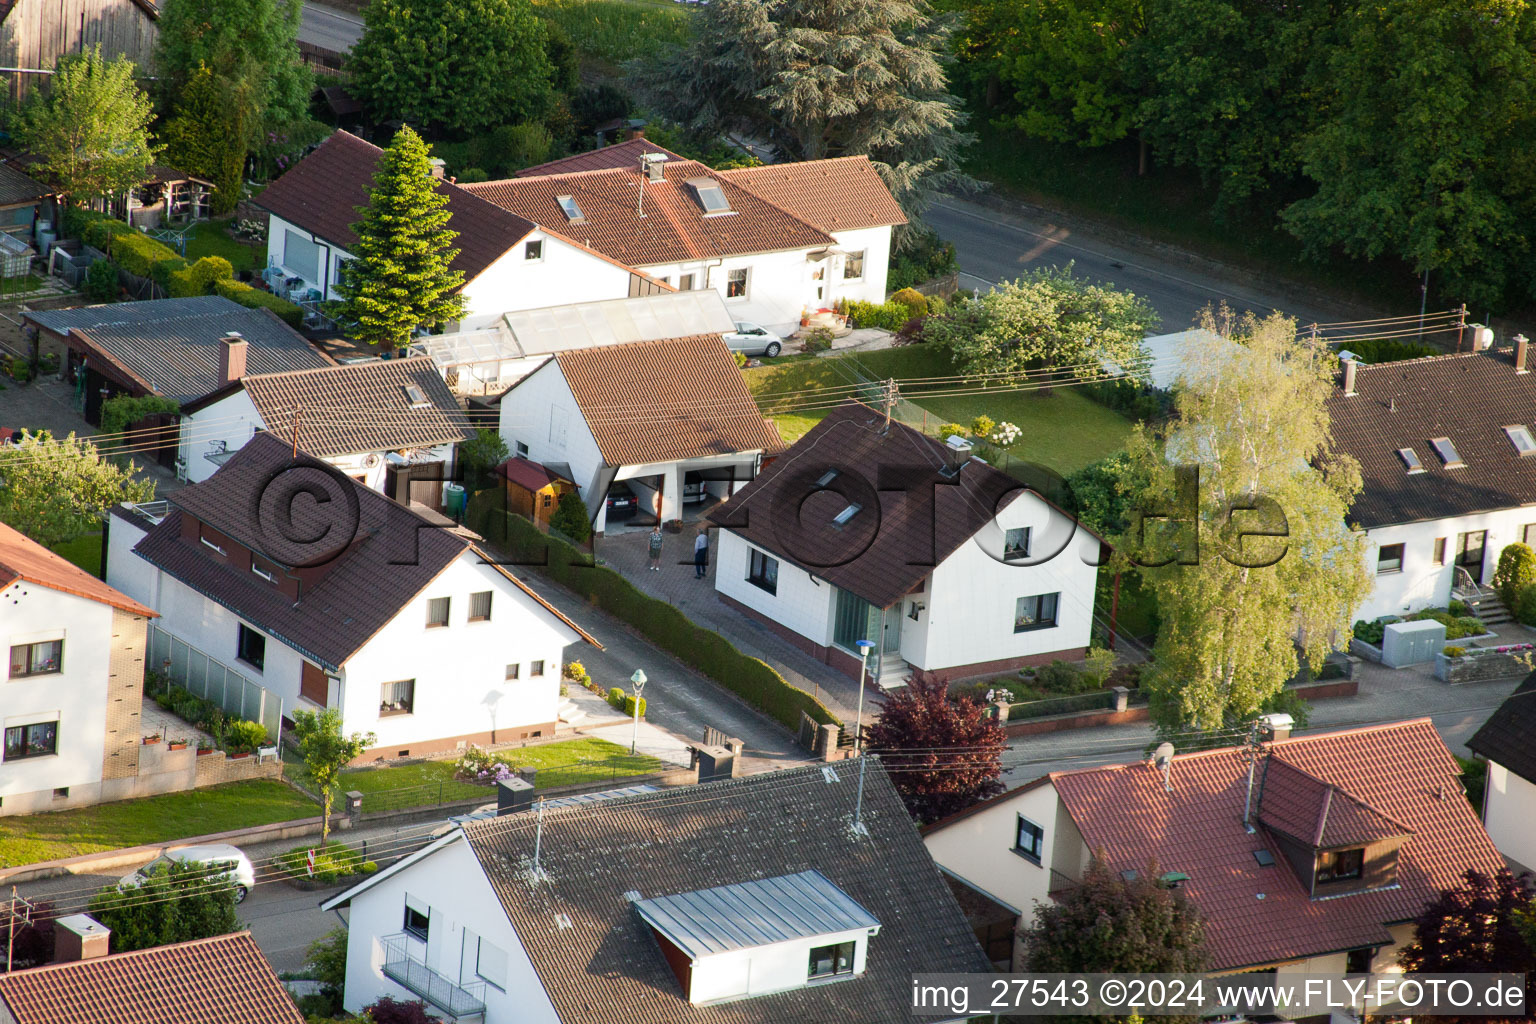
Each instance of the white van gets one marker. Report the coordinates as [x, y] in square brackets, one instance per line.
[221, 859]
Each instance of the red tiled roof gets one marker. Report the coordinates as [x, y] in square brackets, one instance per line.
[22, 558]
[659, 401]
[1401, 770]
[529, 474]
[674, 228]
[620, 154]
[839, 194]
[222, 980]
[322, 192]
[1323, 816]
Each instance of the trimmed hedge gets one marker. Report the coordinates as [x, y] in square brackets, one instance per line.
[756, 682]
[625, 702]
[198, 279]
[891, 316]
[138, 253]
[254, 298]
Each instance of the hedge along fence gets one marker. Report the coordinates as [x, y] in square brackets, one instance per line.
[754, 681]
[255, 298]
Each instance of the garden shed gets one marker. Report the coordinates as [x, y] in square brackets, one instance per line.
[533, 490]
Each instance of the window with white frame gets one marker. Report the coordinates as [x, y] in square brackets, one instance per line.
[736, 283]
[397, 698]
[251, 647]
[437, 612]
[763, 571]
[480, 606]
[853, 266]
[418, 919]
[533, 251]
[1016, 543]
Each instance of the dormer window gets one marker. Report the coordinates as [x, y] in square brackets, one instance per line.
[830, 961]
[710, 196]
[573, 214]
[1447, 452]
[1411, 460]
[1340, 866]
[1520, 436]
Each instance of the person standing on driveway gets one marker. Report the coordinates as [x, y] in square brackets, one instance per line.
[701, 554]
[655, 549]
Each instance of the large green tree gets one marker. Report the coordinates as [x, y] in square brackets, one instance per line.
[90, 129]
[207, 135]
[326, 750]
[1479, 927]
[1047, 319]
[176, 903]
[823, 78]
[452, 66]
[250, 42]
[1425, 152]
[56, 490]
[401, 277]
[1237, 607]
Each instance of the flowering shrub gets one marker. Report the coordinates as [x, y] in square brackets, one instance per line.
[1004, 434]
[949, 430]
[479, 765]
[575, 671]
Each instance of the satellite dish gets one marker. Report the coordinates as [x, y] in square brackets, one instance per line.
[1163, 754]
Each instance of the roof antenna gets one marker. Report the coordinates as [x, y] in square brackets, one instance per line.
[538, 839]
[1163, 758]
[858, 806]
[1251, 752]
[890, 403]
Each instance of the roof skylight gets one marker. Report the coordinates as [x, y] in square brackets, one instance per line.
[570, 209]
[842, 518]
[416, 397]
[1520, 437]
[1411, 460]
[710, 195]
[826, 478]
[1447, 452]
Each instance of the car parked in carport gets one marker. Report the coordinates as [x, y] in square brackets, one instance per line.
[621, 500]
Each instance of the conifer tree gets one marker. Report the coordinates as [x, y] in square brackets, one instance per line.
[207, 135]
[401, 278]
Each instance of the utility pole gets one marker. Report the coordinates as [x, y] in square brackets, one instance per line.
[1461, 325]
[297, 412]
[13, 916]
[890, 402]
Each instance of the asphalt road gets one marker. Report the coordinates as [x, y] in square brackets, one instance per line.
[994, 244]
[329, 28]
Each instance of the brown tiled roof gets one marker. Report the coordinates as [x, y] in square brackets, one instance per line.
[839, 194]
[394, 553]
[1469, 398]
[22, 558]
[222, 980]
[674, 228]
[1314, 812]
[605, 966]
[1401, 770]
[1508, 737]
[529, 474]
[912, 517]
[659, 401]
[322, 192]
[624, 154]
[360, 407]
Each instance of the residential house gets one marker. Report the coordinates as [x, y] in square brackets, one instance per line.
[21, 200]
[1507, 741]
[659, 416]
[1321, 866]
[34, 34]
[1447, 453]
[222, 980]
[378, 421]
[488, 354]
[508, 262]
[869, 530]
[174, 348]
[533, 491]
[775, 242]
[796, 895]
[328, 594]
[73, 684]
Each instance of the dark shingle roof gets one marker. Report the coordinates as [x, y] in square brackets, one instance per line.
[171, 346]
[1402, 770]
[16, 187]
[1508, 737]
[222, 980]
[322, 192]
[1469, 398]
[911, 518]
[607, 967]
[360, 407]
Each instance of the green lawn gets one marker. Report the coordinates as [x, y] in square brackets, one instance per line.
[21, 285]
[26, 839]
[212, 239]
[425, 783]
[84, 551]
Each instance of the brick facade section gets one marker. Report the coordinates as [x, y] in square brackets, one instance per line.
[125, 695]
[214, 768]
[450, 745]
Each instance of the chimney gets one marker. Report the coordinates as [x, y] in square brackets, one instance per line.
[79, 937]
[438, 166]
[1162, 758]
[716, 764]
[232, 357]
[1277, 726]
[1349, 376]
[1522, 345]
[637, 129]
[513, 795]
[655, 165]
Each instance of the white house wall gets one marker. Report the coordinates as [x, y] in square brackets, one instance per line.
[541, 412]
[459, 669]
[876, 245]
[800, 603]
[1509, 809]
[451, 883]
[971, 596]
[979, 849]
[75, 697]
[778, 285]
[759, 970]
[564, 275]
[324, 275]
[1421, 583]
[232, 420]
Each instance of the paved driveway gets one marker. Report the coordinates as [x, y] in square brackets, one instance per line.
[49, 405]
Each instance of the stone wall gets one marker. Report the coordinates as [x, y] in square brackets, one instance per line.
[1471, 668]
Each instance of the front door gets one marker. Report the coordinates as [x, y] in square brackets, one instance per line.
[1469, 553]
[891, 633]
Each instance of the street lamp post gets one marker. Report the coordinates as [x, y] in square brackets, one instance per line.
[638, 679]
[864, 647]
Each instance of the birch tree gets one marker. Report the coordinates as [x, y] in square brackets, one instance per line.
[1252, 567]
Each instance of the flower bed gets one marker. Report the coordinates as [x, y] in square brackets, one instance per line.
[1479, 663]
[335, 863]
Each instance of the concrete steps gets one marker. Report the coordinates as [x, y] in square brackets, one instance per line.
[1490, 609]
[569, 713]
[892, 673]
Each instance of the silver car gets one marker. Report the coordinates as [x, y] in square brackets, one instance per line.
[754, 340]
[219, 859]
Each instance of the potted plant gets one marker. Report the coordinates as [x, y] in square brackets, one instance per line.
[179, 744]
[151, 738]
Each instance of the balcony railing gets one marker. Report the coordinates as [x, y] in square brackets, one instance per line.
[452, 998]
[1060, 883]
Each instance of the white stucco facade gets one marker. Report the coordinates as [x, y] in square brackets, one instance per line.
[74, 697]
[1509, 814]
[467, 933]
[1424, 583]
